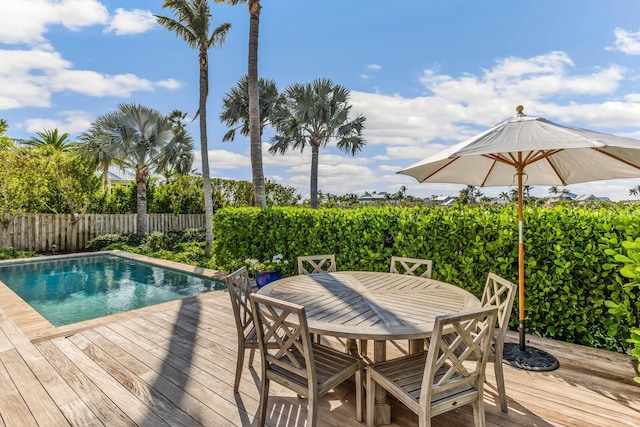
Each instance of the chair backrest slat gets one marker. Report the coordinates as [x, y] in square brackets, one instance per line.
[501, 293]
[455, 339]
[316, 264]
[285, 325]
[239, 289]
[411, 266]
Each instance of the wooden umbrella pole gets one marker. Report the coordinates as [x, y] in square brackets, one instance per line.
[520, 255]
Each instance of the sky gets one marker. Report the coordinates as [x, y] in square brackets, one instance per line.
[425, 74]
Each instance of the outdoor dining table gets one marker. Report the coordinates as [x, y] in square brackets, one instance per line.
[372, 306]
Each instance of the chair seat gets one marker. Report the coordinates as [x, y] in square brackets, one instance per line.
[332, 368]
[405, 374]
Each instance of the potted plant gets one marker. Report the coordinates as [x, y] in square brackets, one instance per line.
[266, 271]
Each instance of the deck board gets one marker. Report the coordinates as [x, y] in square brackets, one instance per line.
[174, 364]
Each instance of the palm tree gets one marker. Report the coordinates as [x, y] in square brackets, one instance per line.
[52, 139]
[313, 114]
[192, 23]
[255, 130]
[95, 149]
[235, 107]
[142, 139]
[177, 118]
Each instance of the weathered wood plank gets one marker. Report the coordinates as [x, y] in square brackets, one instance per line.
[14, 410]
[93, 396]
[41, 406]
[130, 372]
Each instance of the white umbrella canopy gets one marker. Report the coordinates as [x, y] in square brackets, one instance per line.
[550, 154]
[531, 151]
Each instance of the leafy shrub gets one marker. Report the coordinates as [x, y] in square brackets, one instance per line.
[173, 238]
[114, 241]
[11, 253]
[186, 246]
[567, 267]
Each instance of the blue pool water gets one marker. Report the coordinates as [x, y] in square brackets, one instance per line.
[70, 290]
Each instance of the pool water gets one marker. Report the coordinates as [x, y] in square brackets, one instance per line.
[71, 290]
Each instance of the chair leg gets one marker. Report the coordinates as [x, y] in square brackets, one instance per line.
[239, 363]
[478, 412]
[363, 348]
[264, 396]
[500, 382]
[371, 401]
[312, 409]
[359, 394]
[251, 354]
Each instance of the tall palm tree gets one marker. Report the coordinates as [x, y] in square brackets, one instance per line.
[314, 114]
[235, 107]
[192, 24]
[255, 133]
[53, 139]
[142, 139]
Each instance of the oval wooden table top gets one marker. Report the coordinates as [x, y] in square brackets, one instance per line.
[371, 305]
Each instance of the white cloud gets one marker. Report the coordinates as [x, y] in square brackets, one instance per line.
[169, 84]
[95, 84]
[132, 21]
[626, 41]
[72, 122]
[28, 78]
[374, 67]
[24, 21]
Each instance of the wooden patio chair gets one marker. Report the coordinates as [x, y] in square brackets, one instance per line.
[438, 381]
[316, 264]
[239, 291]
[409, 266]
[412, 266]
[308, 368]
[499, 292]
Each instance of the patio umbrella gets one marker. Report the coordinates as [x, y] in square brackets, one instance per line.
[531, 151]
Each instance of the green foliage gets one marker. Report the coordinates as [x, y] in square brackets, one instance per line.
[635, 340]
[44, 180]
[568, 271]
[172, 239]
[181, 194]
[11, 253]
[114, 241]
[185, 246]
[622, 244]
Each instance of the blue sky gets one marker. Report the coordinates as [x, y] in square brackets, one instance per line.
[426, 74]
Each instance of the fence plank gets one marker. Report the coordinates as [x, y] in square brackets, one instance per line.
[40, 232]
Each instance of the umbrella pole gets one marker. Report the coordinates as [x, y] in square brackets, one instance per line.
[520, 263]
[520, 355]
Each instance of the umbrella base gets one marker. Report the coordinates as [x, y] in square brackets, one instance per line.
[531, 359]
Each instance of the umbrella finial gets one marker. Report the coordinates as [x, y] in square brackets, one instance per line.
[519, 109]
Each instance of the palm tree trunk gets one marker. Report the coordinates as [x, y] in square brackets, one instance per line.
[142, 220]
[254, 107]
[105, 175]
[315, 150]
[204, 150]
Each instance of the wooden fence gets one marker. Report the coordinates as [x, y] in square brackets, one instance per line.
[39, 232]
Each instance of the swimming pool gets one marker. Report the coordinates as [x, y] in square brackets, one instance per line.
[71, 289]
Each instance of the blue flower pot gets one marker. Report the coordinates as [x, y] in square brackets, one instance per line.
[266, 277]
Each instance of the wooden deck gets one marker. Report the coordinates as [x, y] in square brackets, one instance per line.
[174, 364]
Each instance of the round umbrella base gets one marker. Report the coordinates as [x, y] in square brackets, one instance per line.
[531, 359]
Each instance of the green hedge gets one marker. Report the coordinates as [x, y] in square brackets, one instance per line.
[568, 274]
